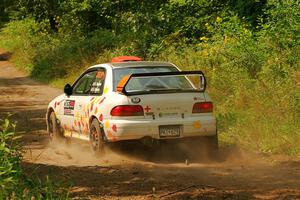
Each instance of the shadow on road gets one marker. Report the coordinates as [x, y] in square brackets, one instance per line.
[17, 81]
[28, 120]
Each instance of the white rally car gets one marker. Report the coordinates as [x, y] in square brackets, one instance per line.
[130, 99]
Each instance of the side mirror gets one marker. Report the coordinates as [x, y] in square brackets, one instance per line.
[68, 89]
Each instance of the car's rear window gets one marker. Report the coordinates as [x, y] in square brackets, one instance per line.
[151, 83]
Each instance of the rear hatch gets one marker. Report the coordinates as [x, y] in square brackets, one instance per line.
[171, 105]
[165, 94]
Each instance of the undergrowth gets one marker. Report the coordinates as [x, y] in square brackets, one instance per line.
[14, 183]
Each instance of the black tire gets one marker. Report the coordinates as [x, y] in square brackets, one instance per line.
[55, 133]
[96, 138]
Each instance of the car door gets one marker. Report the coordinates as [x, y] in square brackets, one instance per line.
[74, 115]
[85, 90]
[88, 105]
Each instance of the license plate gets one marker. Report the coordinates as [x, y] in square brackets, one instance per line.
[170, 131]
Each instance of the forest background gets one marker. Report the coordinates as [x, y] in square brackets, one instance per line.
[249, 51]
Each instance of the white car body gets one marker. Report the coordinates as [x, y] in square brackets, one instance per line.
[75, 113]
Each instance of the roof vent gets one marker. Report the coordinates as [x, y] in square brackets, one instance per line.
[125, 59]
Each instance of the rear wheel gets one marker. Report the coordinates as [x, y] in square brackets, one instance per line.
[55, 133]
[96, 138]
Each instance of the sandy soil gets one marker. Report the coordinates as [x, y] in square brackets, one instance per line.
[134, 173]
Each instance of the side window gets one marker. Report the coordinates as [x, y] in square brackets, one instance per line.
[83, 86]
[98, 83]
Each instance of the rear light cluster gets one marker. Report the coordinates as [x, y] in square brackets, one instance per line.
[127, 110]
[203, 107]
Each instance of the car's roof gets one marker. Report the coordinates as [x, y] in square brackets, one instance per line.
[137, 64]
[140, 64]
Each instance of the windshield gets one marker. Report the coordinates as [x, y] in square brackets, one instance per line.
[151, 83]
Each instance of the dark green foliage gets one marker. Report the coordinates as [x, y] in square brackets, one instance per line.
[3, 13]
[252, 10]
[6, 7]
[42, 10]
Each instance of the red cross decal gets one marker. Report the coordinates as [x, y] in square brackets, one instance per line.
[147, 109]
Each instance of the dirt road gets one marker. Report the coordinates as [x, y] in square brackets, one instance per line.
[133, 174]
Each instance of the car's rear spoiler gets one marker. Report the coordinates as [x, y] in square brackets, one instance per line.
[124, 81]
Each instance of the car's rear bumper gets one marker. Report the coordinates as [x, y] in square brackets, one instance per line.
[137, 129]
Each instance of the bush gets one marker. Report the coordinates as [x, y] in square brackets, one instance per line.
[14, 184]
[10, 158]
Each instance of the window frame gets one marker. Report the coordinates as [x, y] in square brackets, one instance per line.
[83, 74]
[114, 77]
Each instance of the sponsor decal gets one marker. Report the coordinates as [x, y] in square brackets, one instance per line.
[102, 100]
[197, 124]
[105, 90]
[92, 106]
[106, 125]
[168, 114]
[198, 99]
[101, 118]
[69, 107]
[170, 108]
[97, 100]
[114, 127]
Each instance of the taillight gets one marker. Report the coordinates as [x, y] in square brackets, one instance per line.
[203, 107]
[127, 110]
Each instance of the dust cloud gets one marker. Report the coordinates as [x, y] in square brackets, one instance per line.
[78, 153]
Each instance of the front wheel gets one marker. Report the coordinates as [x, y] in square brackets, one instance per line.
[55, 133]
[96, 138]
